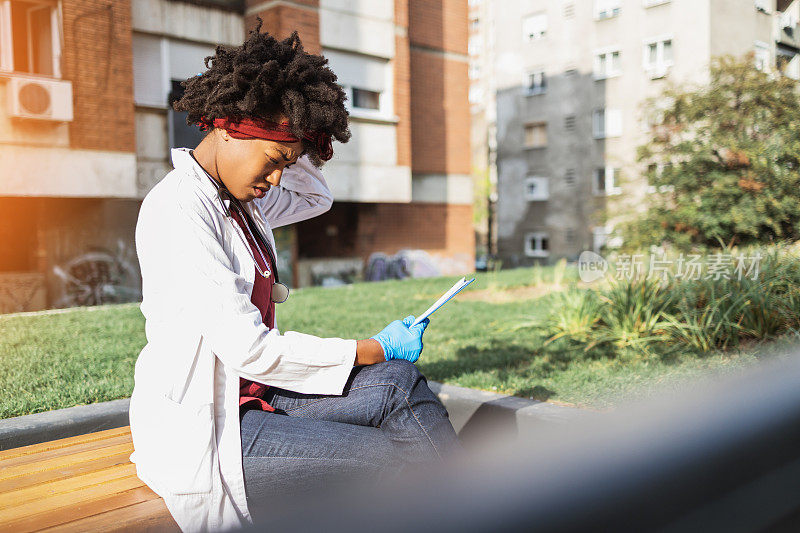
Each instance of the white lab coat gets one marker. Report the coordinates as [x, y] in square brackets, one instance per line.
[203, 333]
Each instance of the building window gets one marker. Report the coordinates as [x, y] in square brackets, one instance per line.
[536, 135]
[604, 9]
[570, 235]
[607, 63]
[534, 27]
[569, 177]
[761, 56]
[474, 71]
[366, 80]
[363, 100]
[571, 71]
[788, 62]
[536, 83]
[537, 244]
[366, 99]
[474, 24]
[475, 94]
[536, 188]
[30, 41]
[157, 61]
[181, 133]
[604, 237]
[788, 20]
[599, 238]
[658, 56]
[569, 10]
[569, 123]
[607, 123]
[604, 182]
[652, 3]
[474, 45]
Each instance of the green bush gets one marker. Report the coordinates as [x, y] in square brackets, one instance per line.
[577, 316]
[636, 313]
[711, 313]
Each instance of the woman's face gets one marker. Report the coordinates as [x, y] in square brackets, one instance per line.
[249, 167]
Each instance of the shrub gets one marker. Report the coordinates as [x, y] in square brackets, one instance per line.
[636, 313]
[715, 312]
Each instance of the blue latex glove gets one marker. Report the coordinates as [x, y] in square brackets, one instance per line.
[399, 341]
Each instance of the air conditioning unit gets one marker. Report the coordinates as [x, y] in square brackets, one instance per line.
[40, 98]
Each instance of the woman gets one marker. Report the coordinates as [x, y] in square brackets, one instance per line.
[226, 410]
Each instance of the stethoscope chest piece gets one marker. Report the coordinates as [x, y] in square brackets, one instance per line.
[280, 293]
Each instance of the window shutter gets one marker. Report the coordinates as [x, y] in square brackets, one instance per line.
[148, 81]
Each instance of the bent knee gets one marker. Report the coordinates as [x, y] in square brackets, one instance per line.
[400, 372]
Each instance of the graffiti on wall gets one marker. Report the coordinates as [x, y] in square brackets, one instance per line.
[22, 291]
[330, 272]
[415, 264]
[404, 264]
[99, 277]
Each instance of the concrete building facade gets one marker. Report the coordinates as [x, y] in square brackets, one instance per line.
[572, 78]
[88, 129]
[483, 133]
[403, 180]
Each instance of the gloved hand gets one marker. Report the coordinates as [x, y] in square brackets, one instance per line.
[399, 341]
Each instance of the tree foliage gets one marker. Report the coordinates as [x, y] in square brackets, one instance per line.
[723, 161]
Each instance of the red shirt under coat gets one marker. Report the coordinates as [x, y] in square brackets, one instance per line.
[251, 394]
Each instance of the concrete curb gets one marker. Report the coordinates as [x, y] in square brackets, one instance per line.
[62, 423]
[478, 416]
[474, 413]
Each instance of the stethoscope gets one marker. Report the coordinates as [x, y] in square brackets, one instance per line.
[280, 292]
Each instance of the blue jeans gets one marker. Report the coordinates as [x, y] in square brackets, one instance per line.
[386, 420]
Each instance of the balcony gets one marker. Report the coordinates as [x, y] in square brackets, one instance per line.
[786, 29]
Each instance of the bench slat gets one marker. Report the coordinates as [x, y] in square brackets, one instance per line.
[71, 484]
[83, 483]
[80, 510]
[62, 452]
[33, 467]
[151, 516]
[63, 443]
[62, 472]
[69, 498]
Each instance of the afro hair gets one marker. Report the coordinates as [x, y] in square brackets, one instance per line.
[263, 79]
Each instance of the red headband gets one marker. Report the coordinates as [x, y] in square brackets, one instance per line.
[249, 128]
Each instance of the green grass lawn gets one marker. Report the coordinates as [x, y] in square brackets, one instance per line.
[83, 356]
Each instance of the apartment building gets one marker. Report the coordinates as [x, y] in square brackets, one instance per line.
[403, 181]
[87, 132]
[483, 131]
[572, 77]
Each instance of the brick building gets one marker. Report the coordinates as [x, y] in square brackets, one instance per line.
[87, 131]
[403, 180]
[67, 152]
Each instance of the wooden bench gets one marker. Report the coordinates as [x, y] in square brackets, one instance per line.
[83, 483]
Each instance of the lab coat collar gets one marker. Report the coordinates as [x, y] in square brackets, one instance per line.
[183, 160]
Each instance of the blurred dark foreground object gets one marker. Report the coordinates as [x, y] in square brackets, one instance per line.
[721, 455]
